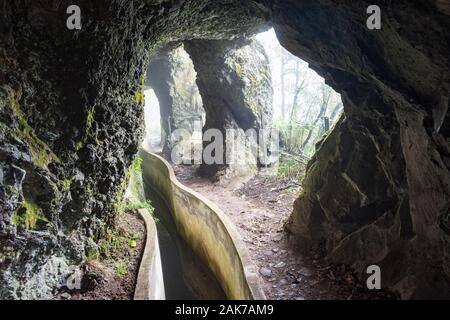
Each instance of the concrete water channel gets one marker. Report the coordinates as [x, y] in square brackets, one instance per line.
[185, 276]
[202, 254]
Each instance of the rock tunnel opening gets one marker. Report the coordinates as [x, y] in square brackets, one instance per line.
[299, 106]
[376, 190]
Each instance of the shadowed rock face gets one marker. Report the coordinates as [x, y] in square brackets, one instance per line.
[234, 80]
[171, 75]
[377, 190]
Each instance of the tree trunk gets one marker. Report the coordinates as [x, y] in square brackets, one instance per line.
[283, 87]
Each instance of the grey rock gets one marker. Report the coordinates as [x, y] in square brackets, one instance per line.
[305, 272]
[266, 272]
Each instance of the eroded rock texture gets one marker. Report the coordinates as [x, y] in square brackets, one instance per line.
[70, 122]
[70, 127]
[377, 191]
[235, 82]
[171, 75]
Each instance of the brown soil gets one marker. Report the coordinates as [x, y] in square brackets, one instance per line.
[114, 277]
[259, 209]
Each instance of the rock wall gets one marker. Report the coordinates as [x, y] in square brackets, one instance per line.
[235, 82]
[171, 75]
[71, 120]
[69, 129]
[377, 190]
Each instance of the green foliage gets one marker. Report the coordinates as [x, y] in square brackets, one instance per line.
[136, 200]
[294, 155]
[120, 268]
[92, 255]
[291, 168]
[90, 120]
[111, 247]
[28, 216]
[114, 242]
[292, 135]
[119, 201]
[133, 204]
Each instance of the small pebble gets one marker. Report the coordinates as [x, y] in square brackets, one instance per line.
[266, 272]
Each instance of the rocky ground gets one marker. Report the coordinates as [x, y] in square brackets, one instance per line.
[113, 276]
[259, 209]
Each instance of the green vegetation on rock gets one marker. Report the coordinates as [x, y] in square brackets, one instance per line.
[139, 97]
[133, 181]
[28, 216]
[67, 183]
[40, 152]
[90, 131]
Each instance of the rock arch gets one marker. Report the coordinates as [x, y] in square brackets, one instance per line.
[234, 80]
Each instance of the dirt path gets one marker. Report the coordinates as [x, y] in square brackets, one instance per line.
[259, 211]
[113, 277]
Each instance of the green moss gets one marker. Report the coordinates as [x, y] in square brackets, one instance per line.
[92, 254]
[40, 152]
[96, 138]
[67, 183]
[78, 145]
[59, 188]
[118, 200]
[139, 97]
[58, 194]
[266, 73]
[90, 131]
[29, 215]
[133, 181]
[90, 120]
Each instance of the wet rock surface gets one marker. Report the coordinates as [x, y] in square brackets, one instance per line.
[71, 121]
